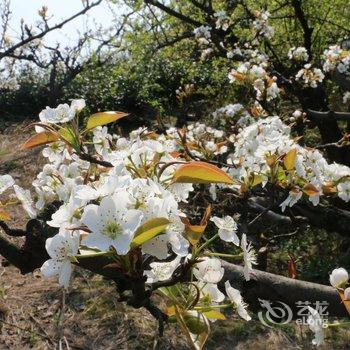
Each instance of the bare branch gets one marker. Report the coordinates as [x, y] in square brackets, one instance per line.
[30, 37]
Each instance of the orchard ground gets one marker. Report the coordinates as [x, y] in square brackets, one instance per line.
[30, 305]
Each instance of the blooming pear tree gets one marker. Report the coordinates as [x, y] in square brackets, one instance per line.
[165, 212]
[122, 207]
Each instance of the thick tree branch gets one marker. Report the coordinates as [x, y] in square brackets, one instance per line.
[327, 217]
[271, 215]
[264, 285]
[328, 115]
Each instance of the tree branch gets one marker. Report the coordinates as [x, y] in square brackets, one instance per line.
[307, 31]
[47, 30]
[328, 115]
[174, 13]
[264, 285]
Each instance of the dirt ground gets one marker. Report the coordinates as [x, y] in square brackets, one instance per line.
[31, 307]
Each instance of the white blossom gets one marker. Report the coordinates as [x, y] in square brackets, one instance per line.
[209, 270]
[236, 298]
[298, 54]
[161, 271]
[111, 223]
[315, 323]
[344, 190]
[249, 257]
[339, 277]
[227, 229]
[61, 248]
[6, 181]
[25, 198]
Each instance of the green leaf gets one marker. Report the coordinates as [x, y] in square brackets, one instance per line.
[149, 230]
[103, 118]
[200, 172]
[68, 136]
[195, 326]
[281, 174]
[214, 315]
[256, 180]
[289, 159]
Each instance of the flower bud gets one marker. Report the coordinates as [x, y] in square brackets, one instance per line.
[297, 114]
[347, 293]
[339, 277]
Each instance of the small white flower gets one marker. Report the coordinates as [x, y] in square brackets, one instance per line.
[298, 54]
[45, 195]
[56, 152]
[111, 223]
[6, 181]
[227, 229]
[316, 325]
[78, 105]
[61, 248]
[347, 293]
[61, 114]
[236, 298]
[209, 270]
[157, 246]
[297, 113]
[69, 213]
[161, 271]
[293, 198]
[211, 290]
[202, 32]
[179, 244]
[249, 257]
[344, 191]
[339, 278]
[310, 76]
[346, 97]
[26, 199]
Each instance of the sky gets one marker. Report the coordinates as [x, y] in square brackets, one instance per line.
[59, 9]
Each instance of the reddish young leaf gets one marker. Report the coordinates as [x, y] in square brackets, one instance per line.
[42, 138]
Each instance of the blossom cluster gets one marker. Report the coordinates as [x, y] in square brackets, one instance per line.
[202, 140]
[264, 85]
[310, 76]
[298, 54]
[234, 114]
[112, 205]
[261, 25]
[203, 34]
[144, 194]
[221, 20]
[336, 58]
[257, 148]
[102, 210]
